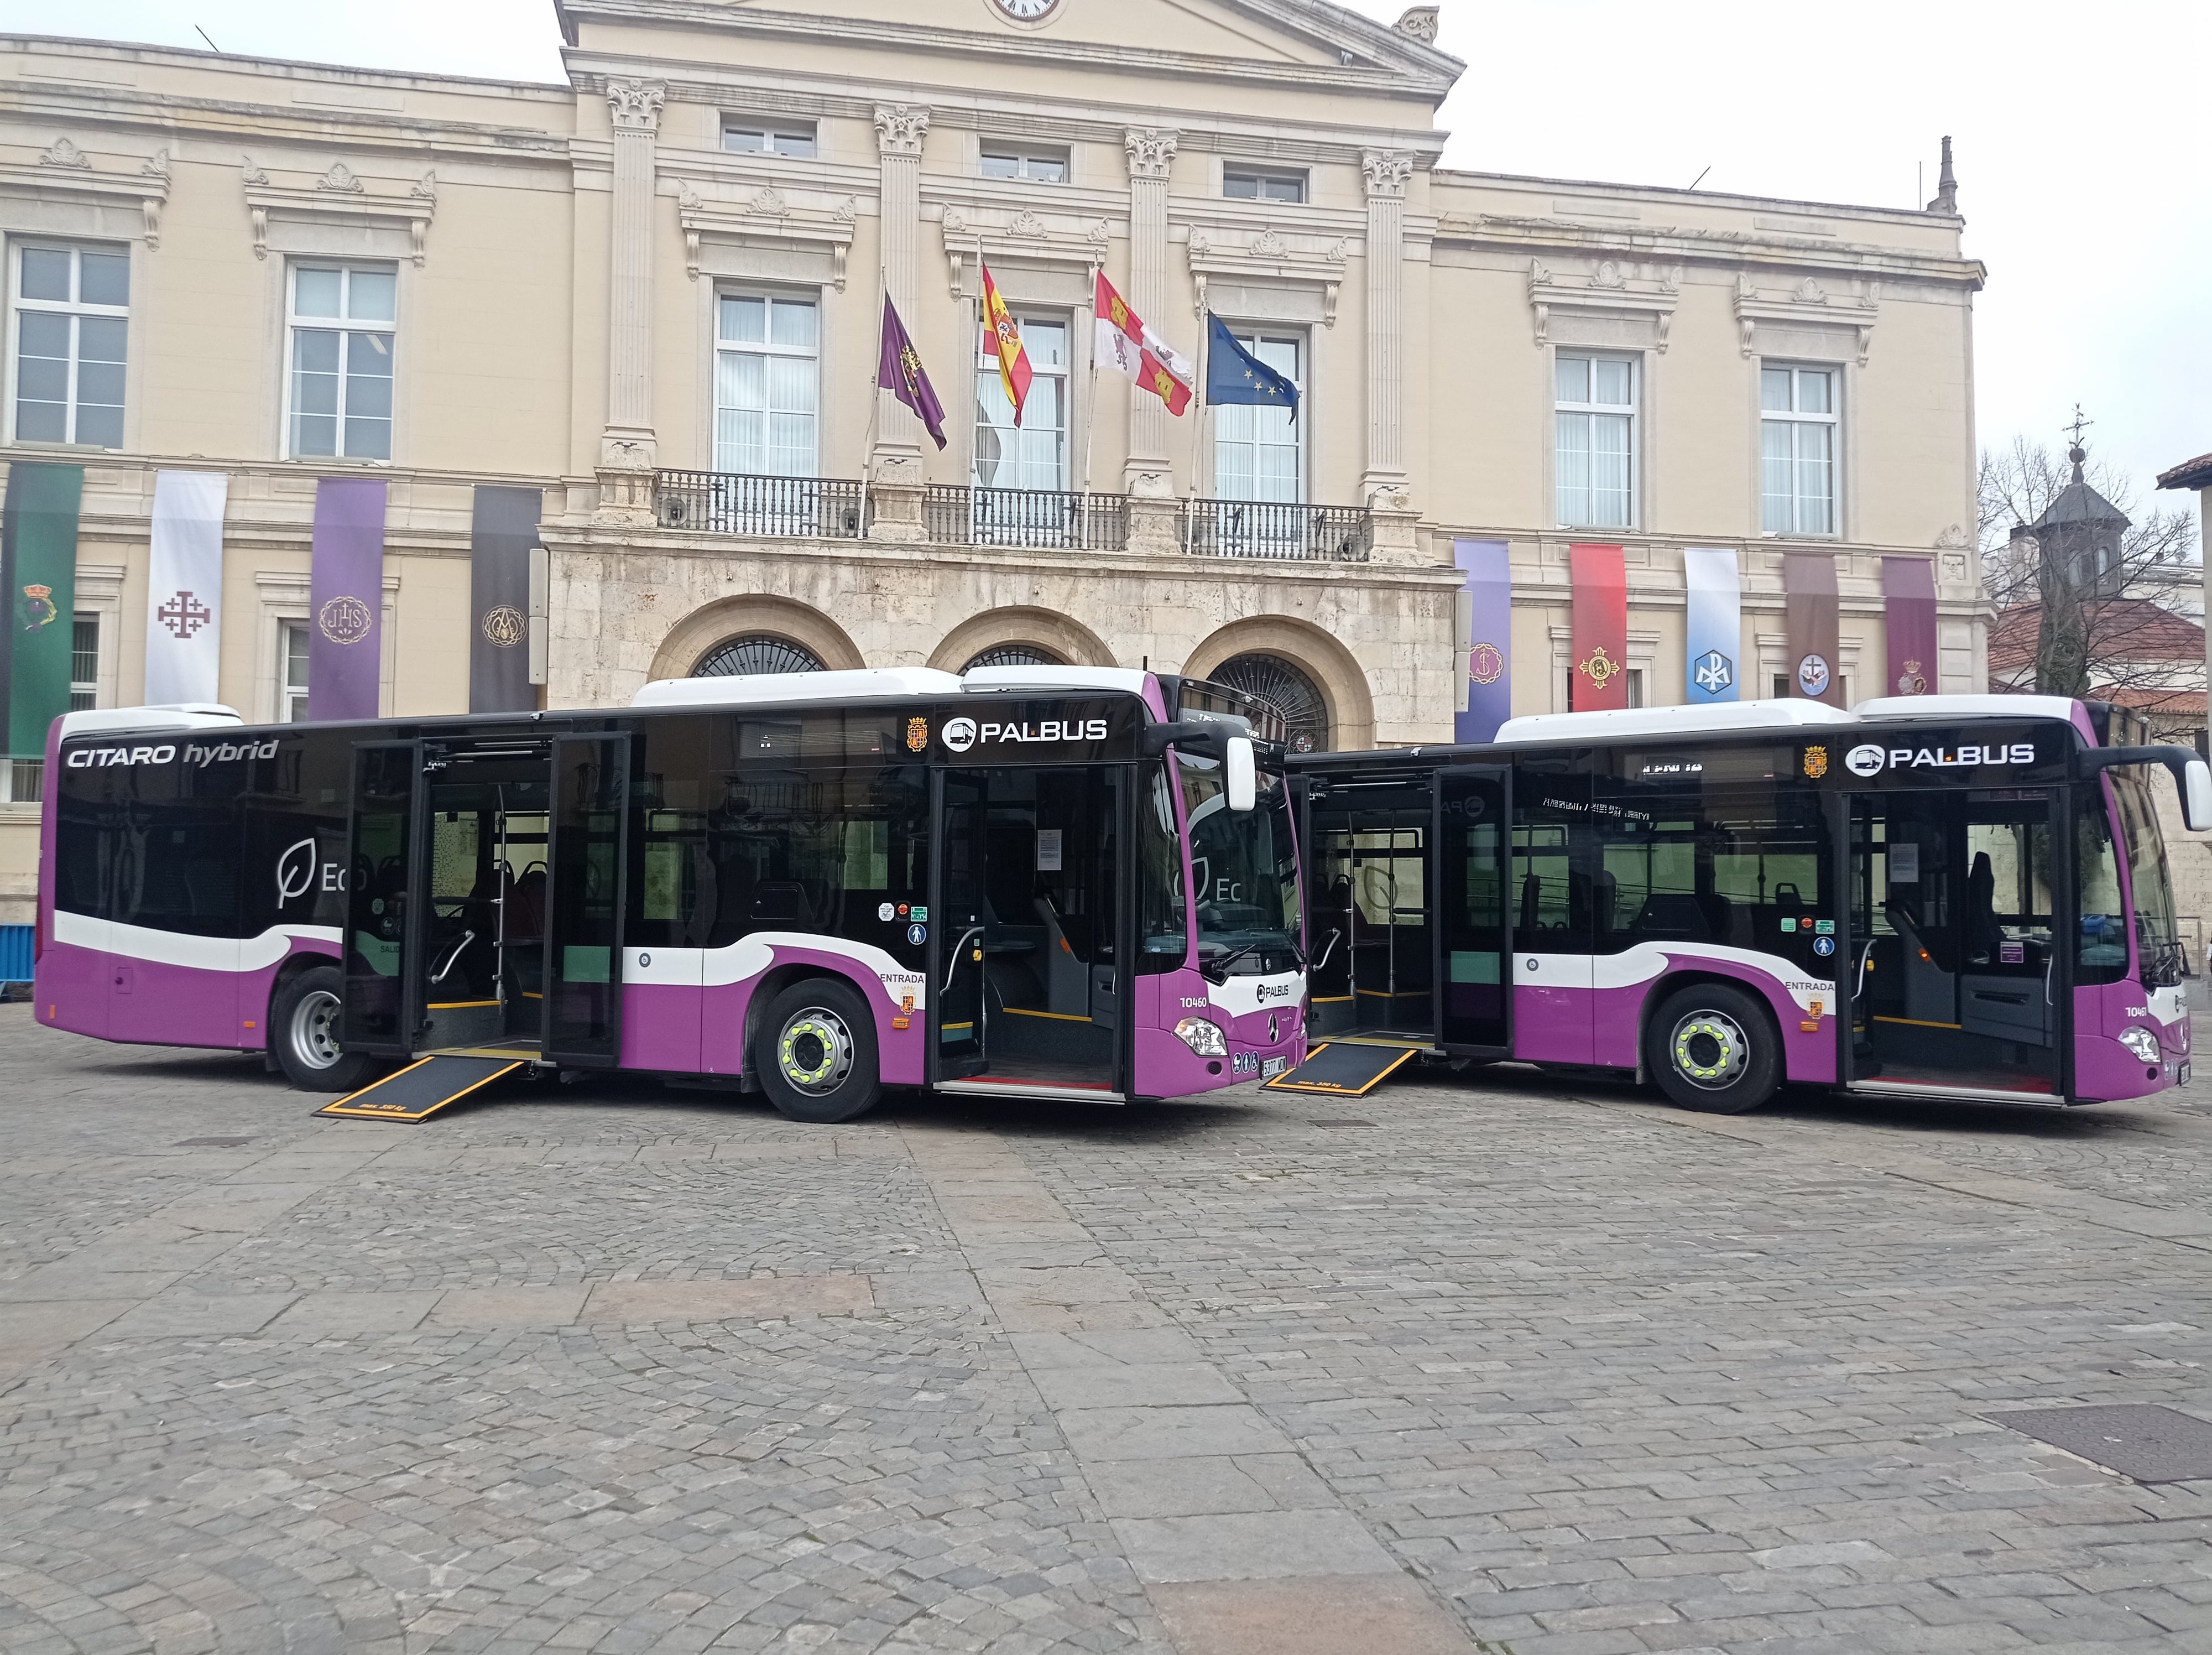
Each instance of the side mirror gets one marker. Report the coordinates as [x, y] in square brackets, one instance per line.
[2197, 796]
[1244, 781]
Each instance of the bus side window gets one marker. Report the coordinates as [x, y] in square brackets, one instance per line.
[1162, 930]
[2102, 949]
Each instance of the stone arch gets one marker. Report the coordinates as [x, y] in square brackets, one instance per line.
[690, 639]
[1046, 628]
[1318, 655]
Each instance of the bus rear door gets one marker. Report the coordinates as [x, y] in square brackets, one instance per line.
[1472, 919]
[586, 893]
[384, 882]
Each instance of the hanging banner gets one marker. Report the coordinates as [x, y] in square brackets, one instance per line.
[38, 597]
[1808, 617]
[1715, 629]
[1908, 602]
[184, 588]
[502, 530]
[345, 647]
[1489, 663]
[1599, 679]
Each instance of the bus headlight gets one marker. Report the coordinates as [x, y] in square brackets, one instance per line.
[2142, 1043]
[1203, 1036]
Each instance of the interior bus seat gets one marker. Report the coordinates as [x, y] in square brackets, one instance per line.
[1931, 993]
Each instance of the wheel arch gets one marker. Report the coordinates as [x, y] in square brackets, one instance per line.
[771, 984]
[287, 973]
[1672, 980]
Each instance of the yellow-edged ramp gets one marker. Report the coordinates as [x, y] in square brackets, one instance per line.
[422, 1088]
[1343, 1069]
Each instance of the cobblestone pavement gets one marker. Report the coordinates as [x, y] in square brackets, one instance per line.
[1485, 1362]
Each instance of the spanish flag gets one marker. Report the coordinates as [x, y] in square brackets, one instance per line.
[1006, 338]
[1124, 343]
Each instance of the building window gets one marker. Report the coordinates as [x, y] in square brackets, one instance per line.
[1035, 455]
[1635, 687]
[1285, 688]
[753, 136]
[1013, 654]
[292, 671]
[767, 385]
[1797, 450]
[84, 663]
[755, 654]
[1596, 457]
[72, 314]
[1258, 452]
[339, 397]
[1039, 166]
[22, 780]
[1251, 184]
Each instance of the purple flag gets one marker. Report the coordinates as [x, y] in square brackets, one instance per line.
[899, 371]
[1908, 601]
[345, 650]
[1490, 654]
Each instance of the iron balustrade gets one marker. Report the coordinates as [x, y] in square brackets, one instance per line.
[740, 502]
[955, 514]
[1273, 529]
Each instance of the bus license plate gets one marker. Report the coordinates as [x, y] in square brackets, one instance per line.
[1272, 1066]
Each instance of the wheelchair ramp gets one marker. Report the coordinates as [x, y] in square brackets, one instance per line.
[422, 1088]
[1342, 1068]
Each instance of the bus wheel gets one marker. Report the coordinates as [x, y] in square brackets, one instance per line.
[1714, 1049]
[303, 1028]
[816, 1053]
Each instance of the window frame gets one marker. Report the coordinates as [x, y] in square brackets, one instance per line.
[770, 131]
[1631, 411]
[1023, 153]
[343, 325]
[84, 692]
[1795, 417]
[986, 369]
[1250, 335]
[77, 310]
[717, 345]
[292, 699]
[1298, 177]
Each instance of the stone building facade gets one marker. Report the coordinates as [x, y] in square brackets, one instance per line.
[653, 292]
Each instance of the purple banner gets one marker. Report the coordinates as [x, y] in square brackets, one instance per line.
[1908, 602]
[345, 647]
[1489, 663]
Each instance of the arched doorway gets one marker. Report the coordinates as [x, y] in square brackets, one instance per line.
[1012, 655]
[1285, 687]
[754, 654]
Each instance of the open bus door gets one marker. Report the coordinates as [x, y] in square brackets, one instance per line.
[385, 879]
[1471, 916]
[587, 859]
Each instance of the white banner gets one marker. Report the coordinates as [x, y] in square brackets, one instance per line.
[183, 591]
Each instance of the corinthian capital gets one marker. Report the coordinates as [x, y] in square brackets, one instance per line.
[1387, 171]
[899, 129]
[637, 104]
[1151, 154]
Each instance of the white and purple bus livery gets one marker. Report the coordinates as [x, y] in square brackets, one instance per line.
[1939, 895]
[1062, 882]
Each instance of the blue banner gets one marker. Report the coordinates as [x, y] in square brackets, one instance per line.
[1715, 672]
[1489, 660]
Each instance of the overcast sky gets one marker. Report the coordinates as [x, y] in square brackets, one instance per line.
[2084, 152]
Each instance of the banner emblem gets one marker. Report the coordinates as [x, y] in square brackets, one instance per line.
[1600, 668]
[39, 610]
[1716, 671]
[1910, 682]
[1486, 663]
[504, 627]
[1816, 762]
[183, 615]
[1812, 675]
[344, 619]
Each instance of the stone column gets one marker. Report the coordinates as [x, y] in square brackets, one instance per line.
[626, 444]
[895, 477]
[1383, 484]
[1148, 475]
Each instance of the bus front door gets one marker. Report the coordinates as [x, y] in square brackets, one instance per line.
[959, 1034]
[383, 935]
[1952, 955]
[1472, 919]
[587, 857]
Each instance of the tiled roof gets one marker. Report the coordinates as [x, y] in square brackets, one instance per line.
[2189, 474]
[2130, 628]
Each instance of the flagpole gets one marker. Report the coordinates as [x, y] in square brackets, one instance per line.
[875, 413]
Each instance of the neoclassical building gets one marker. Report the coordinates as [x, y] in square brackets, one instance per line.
[651, 295]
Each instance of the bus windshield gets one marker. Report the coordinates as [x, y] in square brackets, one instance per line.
[2158, 939]
[1244, 872]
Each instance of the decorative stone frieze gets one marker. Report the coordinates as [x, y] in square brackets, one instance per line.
[64, 170]
[339, 195]
[1807, 305]
[818, 219]
[1610, 286]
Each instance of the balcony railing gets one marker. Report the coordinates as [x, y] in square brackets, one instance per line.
[1263, 528]
[738, 503]
[957, 516]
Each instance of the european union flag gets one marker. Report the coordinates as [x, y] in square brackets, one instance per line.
[1235, 374]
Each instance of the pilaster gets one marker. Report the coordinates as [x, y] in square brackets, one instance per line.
[1383, 484]
[627, 446]
[1149, 473]
[895, 467]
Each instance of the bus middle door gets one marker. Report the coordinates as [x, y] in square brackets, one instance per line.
[384, 885]
[959, 915]
[587, 857]
[1472, 915]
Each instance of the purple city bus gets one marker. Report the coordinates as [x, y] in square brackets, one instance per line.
[1060, 882]
[1939, 895]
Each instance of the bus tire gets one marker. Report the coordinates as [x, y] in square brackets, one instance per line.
[815, 1053]
[1714, 1048]
[303, 1033]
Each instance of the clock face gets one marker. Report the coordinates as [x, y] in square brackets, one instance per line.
[1028, 11]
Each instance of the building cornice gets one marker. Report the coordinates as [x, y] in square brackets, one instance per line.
[1696, 244]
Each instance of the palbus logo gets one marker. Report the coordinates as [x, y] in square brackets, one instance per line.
[1863, 761]
[958, 734]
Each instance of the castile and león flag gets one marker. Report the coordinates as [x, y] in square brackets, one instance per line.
[1120, 341]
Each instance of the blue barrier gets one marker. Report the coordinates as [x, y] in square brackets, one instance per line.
[14, 954]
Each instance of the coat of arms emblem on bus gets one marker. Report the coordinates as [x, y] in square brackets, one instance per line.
[917, 735]
[1486, 663]
[504, 626]
[1600, 668]
[1816, 762]
[344, 620]
[39, 611]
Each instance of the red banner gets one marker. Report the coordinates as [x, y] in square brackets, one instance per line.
[1600, 677]
[1908, 601]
